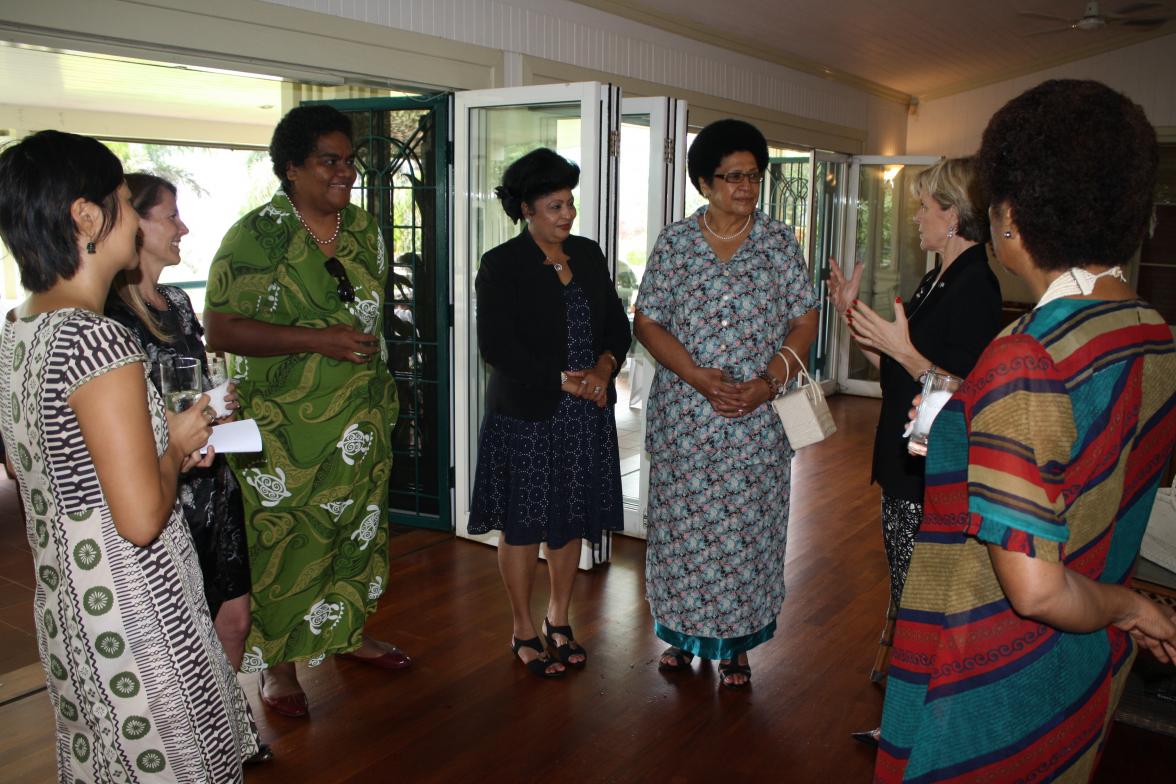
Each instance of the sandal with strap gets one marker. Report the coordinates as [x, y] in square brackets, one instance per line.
[732, 668]
[538, 665]
[681, 658]
[566, 651]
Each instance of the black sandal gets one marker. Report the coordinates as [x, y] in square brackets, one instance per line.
[681, 658]
[731, 668]
[565, 652]
[537, 666]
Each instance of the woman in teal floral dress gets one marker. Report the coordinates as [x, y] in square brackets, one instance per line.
[724, 291]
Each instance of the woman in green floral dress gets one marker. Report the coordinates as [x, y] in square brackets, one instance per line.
[296, 295]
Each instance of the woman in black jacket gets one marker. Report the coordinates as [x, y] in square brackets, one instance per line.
[952, 316]
[553, 333]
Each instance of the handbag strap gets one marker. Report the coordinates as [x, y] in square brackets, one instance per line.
[801, 373]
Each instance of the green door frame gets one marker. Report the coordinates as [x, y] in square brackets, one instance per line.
[420, 494]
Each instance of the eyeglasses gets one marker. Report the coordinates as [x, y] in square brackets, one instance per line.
[736, 177]
[335, 269]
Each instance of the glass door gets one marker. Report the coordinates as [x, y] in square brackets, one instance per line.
[492, 128]
[828, 197]
[651, 191]
[880, 233]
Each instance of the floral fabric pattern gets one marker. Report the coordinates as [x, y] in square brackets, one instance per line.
[316, 497]
[209, 497]
[719, 488]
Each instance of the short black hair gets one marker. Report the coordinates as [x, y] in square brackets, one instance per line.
[297, 133]
[718, 140]
[1075, 162]
[41, 177]
[536, 174]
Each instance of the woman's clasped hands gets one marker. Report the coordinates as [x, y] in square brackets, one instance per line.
[589, 384]
[729, 398]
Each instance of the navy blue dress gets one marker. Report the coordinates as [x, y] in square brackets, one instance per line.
[554, 480]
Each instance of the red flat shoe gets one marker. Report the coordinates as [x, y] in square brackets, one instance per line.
[293, 706]
[388, 660]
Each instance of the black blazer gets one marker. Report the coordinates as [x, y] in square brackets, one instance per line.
[522, 323]
[951, 325]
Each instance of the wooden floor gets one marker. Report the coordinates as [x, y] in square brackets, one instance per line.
[466, 712]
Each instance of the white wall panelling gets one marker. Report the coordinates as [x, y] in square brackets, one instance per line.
[1146, 72]
[587, 38]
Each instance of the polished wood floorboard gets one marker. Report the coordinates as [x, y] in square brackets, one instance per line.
[467, 712]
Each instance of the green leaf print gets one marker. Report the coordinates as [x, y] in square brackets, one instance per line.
[110, 645]
[81, 747]
[18, 356]
[50, 624]
[56, 667]
[150, 761]
[98, 600]
[49, 577]
[87, 554]
[136, 727]
[26, 460]
[39, 504]
[68, 710]
[125, 685]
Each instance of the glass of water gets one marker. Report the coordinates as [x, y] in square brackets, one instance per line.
[186, 384]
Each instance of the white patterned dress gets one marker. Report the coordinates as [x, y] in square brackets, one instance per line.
[140, 686]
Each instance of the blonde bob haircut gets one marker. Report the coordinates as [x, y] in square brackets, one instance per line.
[953, 183]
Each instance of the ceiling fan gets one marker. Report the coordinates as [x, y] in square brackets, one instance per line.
[1092, 19]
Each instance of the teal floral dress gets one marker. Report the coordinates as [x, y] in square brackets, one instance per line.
[719, 488]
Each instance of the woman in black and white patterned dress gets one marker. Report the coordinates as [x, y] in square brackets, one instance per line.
[165, 324]
[140, 686]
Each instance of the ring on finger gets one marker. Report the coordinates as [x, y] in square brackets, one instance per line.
[210, 414]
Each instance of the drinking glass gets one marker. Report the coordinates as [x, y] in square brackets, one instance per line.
[938, 387]
[187, 384]
[217, 372]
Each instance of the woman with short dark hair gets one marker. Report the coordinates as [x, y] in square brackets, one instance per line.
[295, 293]
[725, 294]
[553, 333]
[140, 686]
[1017, 628]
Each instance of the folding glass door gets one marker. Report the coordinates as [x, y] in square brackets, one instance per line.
[492, 128]
[880, 233]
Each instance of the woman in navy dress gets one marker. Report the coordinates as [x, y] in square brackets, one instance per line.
[553, 333]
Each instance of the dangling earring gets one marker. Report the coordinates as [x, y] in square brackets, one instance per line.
[91, 248]
[950, 232]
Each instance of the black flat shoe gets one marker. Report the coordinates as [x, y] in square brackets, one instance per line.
[869, 737]
[263, 754]
[569, 649]
[681, 659]
[731, 668]
[537, 666]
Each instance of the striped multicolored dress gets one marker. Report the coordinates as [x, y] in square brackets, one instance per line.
[1054, 447]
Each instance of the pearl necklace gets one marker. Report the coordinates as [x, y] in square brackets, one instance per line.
[313, 236]
[718, 236]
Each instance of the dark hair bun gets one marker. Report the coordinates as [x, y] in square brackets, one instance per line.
[535, 175]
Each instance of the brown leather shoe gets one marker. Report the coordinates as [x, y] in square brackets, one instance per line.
[292, 706]
[394, 659]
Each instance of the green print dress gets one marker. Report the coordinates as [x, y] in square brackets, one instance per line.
[316, 497]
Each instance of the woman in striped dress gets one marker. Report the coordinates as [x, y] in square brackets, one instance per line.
[1016, 630]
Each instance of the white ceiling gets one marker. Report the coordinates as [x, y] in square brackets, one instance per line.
[36, 77]
[923, 48]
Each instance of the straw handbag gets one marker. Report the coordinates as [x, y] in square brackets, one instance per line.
[1159, 540]
[803, 411]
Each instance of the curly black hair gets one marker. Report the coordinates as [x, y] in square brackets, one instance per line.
[296, 134]
[40, 177]
[718, 140]
[536, 174]
[1075, 162]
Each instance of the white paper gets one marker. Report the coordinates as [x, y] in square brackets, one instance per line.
[216, 399]
[240, 436]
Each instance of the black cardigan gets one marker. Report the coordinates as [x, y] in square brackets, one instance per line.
[522, 323]
[951, 325]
